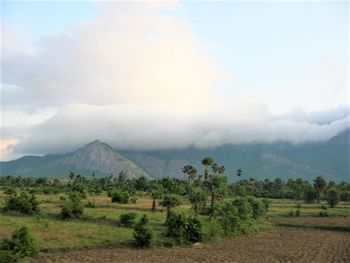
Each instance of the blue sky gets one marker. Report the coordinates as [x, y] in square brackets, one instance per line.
[253, 62]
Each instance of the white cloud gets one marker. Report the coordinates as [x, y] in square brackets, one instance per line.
[131, 53]
[144, 127]
[136, 78]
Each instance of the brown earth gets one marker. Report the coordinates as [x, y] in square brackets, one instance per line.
[279, 244]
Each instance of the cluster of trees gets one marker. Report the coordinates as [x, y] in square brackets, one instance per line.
[211, 214]
[297, 189]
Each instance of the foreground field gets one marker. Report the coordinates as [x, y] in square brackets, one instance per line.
[280, 244]
[100, 238]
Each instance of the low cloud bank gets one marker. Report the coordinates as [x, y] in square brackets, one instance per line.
[147, 128]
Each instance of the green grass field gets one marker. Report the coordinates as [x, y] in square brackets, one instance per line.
[100, 227]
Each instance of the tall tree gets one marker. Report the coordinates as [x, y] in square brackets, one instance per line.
[207, 161]
[169, 202]
[217, 187]
[191, 173]
[319, 186]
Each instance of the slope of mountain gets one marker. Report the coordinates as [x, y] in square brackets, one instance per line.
[330, 159]
[95, 157]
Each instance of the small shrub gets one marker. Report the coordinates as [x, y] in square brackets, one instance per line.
[72, 207]
[298, 206]
[133, 199]
[183, 229]
[323, 207]
[43, 220]
[297, 213]
[90, 204]
[24, 202]
[128, 219]
[258, 208]
[212, 230]
[244, 207]
[19, 246]
[291, 213]
[120, 197]
[323, 213]
[142, 233]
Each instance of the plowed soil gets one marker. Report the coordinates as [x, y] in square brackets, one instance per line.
[279, 244]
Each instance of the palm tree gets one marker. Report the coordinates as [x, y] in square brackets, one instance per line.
[191, 173]
[207, 161]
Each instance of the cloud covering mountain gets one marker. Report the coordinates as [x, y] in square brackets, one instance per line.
[137, 76]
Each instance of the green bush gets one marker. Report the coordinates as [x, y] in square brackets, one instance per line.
[297, 213]
[244, 207]
[142, 233]
[212, 230]
[133, 199]
[323, 213]
[258, 208]
[344, 195]
[120, 197]
[72, 207]
[183, 229]
[90, 204]
[19, 246]
[332, 197]
[24, 202]
[128, 219]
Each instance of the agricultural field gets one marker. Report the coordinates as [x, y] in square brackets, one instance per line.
[99, 237]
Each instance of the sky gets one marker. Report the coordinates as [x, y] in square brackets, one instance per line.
[163, 75]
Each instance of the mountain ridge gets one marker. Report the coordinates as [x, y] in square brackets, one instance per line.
[281, 159]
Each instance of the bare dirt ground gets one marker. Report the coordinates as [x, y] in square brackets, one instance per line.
[279, 244]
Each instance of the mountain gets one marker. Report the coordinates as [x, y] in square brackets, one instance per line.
[329, 159]
[95, 157]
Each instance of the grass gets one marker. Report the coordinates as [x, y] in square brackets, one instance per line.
[281, 207]
[101, 228]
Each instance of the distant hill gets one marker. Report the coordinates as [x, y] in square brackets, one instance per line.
[330, 159]
[281, 159]
[95, 157]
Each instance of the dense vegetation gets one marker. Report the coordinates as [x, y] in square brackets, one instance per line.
[216, 208]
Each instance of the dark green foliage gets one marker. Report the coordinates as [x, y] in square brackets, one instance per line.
[120, 197]
[24, 202]
[72, 207]
[127, 219]
[217, 187]
[184, 229]
[323, 213]
[344, 195]
[244, 207]
[170, 201]
[237, 217]
[20, 245]
[332, 197]
[319, 186]
[310, 195]
[142, 233]
[90, 204]
[212, 230]
[258, 208]
[198, 199]
[297, 213]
